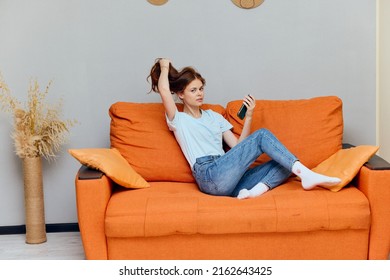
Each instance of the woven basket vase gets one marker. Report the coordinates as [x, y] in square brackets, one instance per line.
[34, 201]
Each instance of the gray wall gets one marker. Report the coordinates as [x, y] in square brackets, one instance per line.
[98, 52]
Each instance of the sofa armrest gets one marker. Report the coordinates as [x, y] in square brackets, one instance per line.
[93, 192]
[86, 173]
[375, 162]
[374, 181]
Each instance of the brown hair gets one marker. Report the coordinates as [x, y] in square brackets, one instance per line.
[178, 80]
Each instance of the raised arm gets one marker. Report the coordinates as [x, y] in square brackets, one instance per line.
[164, 89]
[250, 103]
[228, 136]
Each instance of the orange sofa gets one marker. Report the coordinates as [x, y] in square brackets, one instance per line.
[172, 219]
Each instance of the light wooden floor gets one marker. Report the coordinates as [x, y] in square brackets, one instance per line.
[59, 246]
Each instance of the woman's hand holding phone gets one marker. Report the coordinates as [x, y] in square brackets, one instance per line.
[249, 103]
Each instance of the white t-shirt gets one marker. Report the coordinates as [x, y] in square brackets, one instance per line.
[199, 137]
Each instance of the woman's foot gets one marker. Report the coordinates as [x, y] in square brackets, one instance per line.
[257, 190]
[310, 182]
[311, 179]
[243, 194]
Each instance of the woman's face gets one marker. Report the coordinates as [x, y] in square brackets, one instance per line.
[193, 94]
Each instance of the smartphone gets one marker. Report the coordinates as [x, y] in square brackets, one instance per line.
[241, 113]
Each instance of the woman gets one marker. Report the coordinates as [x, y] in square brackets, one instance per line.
[201, 133]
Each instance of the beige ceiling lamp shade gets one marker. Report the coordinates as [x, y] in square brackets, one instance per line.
[248, 4]
[158, 2]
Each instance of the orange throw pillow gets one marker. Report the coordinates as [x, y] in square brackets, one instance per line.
[111, 162]
[345, 164]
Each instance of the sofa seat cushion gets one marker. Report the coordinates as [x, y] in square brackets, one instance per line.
[168, 208]
[312, 129]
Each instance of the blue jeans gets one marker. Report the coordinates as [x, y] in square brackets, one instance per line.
[226, 175]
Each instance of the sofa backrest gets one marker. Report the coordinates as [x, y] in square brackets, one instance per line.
[140, 133]
[312, 129]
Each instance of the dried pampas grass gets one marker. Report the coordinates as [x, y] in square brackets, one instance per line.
[38, 129]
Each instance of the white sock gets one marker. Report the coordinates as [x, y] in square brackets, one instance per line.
[311, 179]
[257, 190]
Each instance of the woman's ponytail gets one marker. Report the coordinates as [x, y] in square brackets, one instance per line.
[177, 80]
